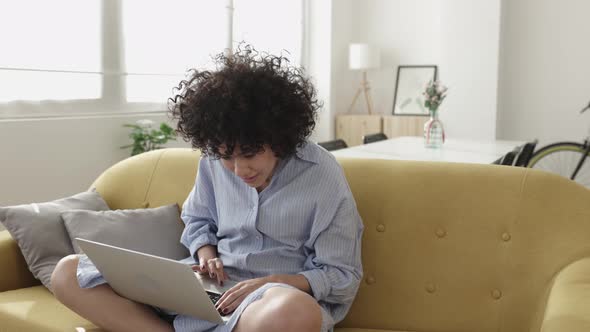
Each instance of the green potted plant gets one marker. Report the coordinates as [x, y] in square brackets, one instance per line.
[146, 138]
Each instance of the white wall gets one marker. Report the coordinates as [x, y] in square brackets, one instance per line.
[516, 70]
[460, 36]
[345, 29]
[469, 43]
[544, 70]
[318, 63]
[407, 33]
[44, 159]
[333, 26]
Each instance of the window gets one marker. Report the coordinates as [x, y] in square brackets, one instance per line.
[71, 56]
[38, 61]
[280, 29]
[168, 38]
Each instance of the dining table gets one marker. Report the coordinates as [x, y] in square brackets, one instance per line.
[457, 150]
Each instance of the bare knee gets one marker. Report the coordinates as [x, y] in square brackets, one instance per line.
[289, 310]
[63, 278]
[300, 311]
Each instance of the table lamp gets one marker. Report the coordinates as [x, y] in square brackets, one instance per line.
[363, 57]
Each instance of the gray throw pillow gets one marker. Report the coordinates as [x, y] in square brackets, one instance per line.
[40, 234]
[154, 231]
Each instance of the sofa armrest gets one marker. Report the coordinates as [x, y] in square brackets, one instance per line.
[14, 272]
[568, 305]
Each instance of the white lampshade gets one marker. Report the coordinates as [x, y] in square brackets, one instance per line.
[363, 56]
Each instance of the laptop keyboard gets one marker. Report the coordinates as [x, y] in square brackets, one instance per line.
[214, 297]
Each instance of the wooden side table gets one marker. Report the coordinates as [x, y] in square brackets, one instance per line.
[403, 125]
[352, 127]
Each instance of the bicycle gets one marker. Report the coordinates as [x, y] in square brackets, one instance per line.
[565, 158]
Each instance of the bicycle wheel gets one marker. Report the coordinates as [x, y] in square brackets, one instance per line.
[562, 159]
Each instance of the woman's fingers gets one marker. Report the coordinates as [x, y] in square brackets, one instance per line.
[197, 268]
[231, 307]
[203, 267]
[211, 268]
[236, 293]
[231, 299]
[215, 267]
[221, 275]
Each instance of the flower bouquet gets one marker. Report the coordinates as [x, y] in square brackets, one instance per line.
[434, 133]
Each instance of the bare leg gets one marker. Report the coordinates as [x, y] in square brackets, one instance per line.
[101, 305]
[281, 309]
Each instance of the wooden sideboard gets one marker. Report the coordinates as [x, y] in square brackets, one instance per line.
[352, 127]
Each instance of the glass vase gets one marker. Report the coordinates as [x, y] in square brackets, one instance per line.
[434, 132]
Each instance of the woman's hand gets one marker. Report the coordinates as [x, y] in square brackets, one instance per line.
[231, 299]
[210, 263]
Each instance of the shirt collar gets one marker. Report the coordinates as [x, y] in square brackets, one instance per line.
[308, 152]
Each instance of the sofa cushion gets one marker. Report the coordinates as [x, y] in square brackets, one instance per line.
[153, 231]
[365, 330]
[39, 231]
[36, 309]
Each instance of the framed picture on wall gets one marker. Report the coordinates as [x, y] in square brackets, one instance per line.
[409, 85]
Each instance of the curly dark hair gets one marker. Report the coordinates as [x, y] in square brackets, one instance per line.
[252, 99]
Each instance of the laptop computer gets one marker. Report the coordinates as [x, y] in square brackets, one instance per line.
[157, 281]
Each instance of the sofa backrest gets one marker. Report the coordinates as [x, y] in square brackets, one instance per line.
[462, 247]
[149, 179]
[446, 247]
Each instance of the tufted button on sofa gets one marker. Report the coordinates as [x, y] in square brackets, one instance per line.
[446, 247]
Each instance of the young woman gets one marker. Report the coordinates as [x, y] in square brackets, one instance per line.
[269, 209]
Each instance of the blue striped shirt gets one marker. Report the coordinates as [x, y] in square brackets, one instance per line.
[305, 222]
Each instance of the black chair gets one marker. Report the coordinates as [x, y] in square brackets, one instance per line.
[374, 138]
[523, 158]
[336, 144]
[507, 159]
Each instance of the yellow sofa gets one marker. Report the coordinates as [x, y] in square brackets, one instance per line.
[447, 247]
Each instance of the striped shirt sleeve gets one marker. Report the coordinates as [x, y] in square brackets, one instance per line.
[199, 212]
[333, 268]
